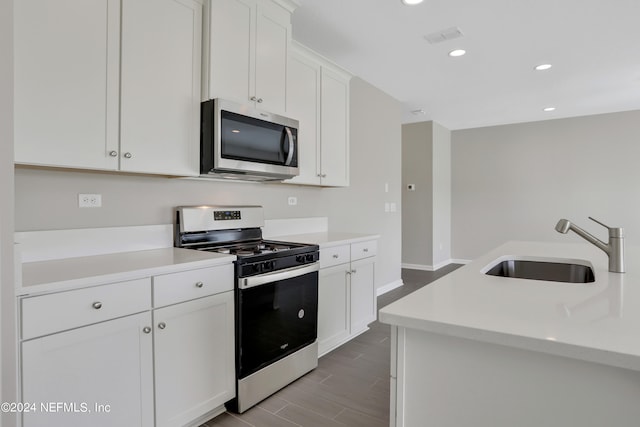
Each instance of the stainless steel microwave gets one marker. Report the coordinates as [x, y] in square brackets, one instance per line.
[242, 142]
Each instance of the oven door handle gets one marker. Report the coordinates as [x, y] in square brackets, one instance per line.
[289, 273]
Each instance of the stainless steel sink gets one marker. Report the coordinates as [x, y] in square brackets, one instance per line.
[543, 270]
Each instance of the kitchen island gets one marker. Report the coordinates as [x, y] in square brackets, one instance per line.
[477, 350]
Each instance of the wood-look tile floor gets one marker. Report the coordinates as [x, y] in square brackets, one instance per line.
[350, 386]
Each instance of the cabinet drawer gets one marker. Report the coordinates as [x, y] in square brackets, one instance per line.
[364, 249]
[51, 313]
[186, 285]
[334, 256]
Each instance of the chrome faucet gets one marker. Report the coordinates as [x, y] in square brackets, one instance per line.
[614, 248]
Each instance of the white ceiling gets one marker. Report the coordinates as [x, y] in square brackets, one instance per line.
[594, 46]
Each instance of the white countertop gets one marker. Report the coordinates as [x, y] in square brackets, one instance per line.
[327, 239]
[597, 322]
[70, 273]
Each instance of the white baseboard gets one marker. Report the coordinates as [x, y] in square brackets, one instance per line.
[389, 287]
[417, 267]
[434, 267]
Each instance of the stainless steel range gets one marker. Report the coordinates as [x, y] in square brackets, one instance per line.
[276, 299]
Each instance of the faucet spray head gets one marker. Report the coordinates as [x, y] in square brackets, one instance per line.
[563, 226]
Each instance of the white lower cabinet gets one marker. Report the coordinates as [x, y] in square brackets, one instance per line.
[194, 358]
[333, 307]
[363, 294]
[99, 375]
[346, 293]
[100, 356]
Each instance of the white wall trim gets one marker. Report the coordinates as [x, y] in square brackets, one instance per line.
[389, 287]
[57, 244]
[436, 267]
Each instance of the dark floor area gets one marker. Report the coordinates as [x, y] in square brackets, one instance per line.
[350, 386]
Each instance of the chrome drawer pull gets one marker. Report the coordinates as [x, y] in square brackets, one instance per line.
[146, 330]
[199, 285]
[162, 325]
[365, 250]
[335, 256]
[97, 305]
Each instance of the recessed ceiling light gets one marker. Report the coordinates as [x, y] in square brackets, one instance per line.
[547, 109]
[412, 2]
[418, 112]
[543, 67]
[457, 52]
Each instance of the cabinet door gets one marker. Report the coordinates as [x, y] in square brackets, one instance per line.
[334, 131]
[303, 96]
[272, 41]
[66, 82]
[160, 95]
[333, 307]
[363, 294]
[194, 358]
[103, 374]
[230, 50]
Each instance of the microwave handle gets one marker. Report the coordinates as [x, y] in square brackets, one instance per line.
[291, 146]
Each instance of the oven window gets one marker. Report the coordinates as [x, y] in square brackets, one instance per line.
[249, 139]
[275, 320]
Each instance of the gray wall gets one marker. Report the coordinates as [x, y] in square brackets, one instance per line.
[514, 182]
[375, 161]
[47, 199]
[441, 195]
[426, 211]
[417, 205]
[7, 318]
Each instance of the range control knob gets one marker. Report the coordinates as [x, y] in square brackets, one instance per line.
[300, 258]
[309, 257]
[267, 266]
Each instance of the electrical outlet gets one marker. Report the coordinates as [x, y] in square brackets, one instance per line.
[89, 200]
[293, 201]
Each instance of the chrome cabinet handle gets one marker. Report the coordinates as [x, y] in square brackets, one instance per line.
[324, 175]
[354, 271]
[365, 250]
[128, 155]
[253, 98]
[199, 285]
[292, 145]
[336, 256]
[113, 153]
[146, 330]
[162, 325]
[259, 100]
[97, 305]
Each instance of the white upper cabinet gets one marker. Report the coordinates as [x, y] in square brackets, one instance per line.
[318, 97]
[303, 104]
[334, 128]
[66, 82]
[108, 84]
[245, 52]
[160, 97]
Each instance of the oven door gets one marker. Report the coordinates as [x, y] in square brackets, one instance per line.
[277, 315]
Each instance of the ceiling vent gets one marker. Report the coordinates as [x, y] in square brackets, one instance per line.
[444, 35]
